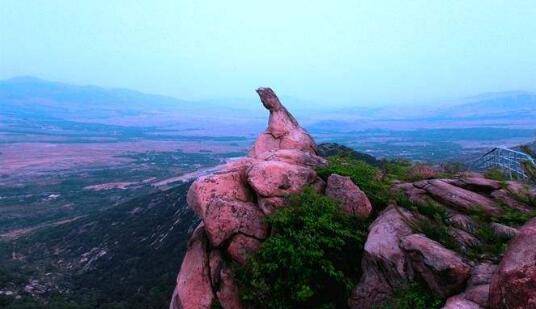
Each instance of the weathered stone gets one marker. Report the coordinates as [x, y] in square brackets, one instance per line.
[458, 198]
[242, 247]
[215, 263]
[414, 194]
[478, 294]
[504, 231]
[442, 269]
[283, 130]
[294, 156]
[481, 274]
[269, 205]
[194, 289]
[228, 293]
[319, 185]
[275, 178]
[477, 184]
[225, 218]
[385, 265]
[353, 200]
[225, 184]
[459, 302]
[514, 283]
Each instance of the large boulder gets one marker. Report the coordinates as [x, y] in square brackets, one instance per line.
[225, 218]
[514, 283]
[294, 156]
[443, 270]
[276, 178]
[241, 247]
[477, 183]
[194, 288]
[353, 201]
[458, 198]
[459, 302]
[384, 264]
[227, 183]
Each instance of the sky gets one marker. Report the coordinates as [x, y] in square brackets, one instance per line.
[332, 52]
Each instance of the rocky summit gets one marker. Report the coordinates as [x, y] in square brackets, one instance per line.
[233, 202]
[466, 238]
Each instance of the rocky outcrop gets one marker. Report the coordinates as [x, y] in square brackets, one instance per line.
[283, 130]
[514, 283]
[233, 202]
[384, 264]
[353, 201]
[443, 270]
[456, 197]
[194, 287]
[396, 254]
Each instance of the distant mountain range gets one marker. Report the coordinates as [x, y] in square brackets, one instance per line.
[33, 98]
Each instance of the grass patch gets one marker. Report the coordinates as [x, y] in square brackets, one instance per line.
[491, 246]
[495, 174]
[312, 259]
[435, 222]
[415, 296]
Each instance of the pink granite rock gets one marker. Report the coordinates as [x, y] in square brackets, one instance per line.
[241, 247]
[443, 270]
[481, 274]
[458, 198]
[225, 218]
[319, 185]
[476, 184]
[459, 302]
[514, 283]
[283, 130]
[414, 194]
[478, 294]
[269, 205]
[194, 289]
[229, 183]
[504, 231]
[275, 178]
[385, 265]
[228, 293]
[353, 201]
[294, 156]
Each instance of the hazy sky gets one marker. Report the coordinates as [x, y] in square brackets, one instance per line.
[328, 51]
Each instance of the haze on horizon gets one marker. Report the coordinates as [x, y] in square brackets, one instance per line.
[338, 52]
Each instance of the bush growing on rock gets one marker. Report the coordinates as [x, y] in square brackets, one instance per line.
[366, 176]
[415, 295]
[312, 258]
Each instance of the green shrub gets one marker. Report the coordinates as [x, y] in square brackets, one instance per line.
[311, 260]
[491, 246]
[367, 177]
[414, 296]
[514, 217]
[495, 174]
[397, 169]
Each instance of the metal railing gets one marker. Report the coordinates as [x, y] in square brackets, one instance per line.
[507, 160]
